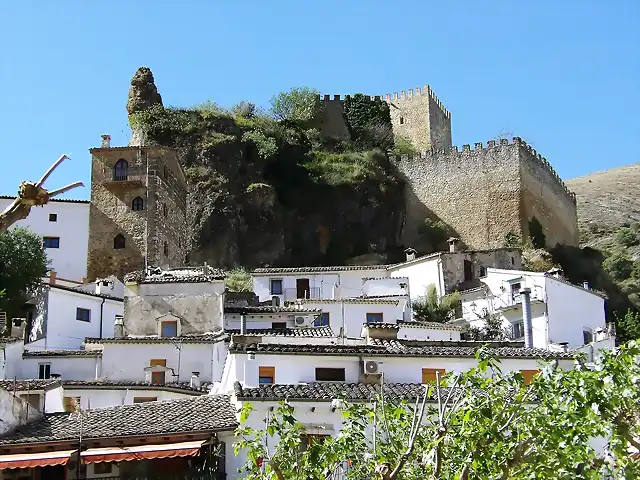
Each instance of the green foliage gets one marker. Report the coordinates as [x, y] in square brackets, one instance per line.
[350, 168]
[243, 110]
[627, 237]
[512, 240]
[493, 328]
[266, 146]
[239, 280]
[298, 105]
[536, 234]
[369, 122]
[432, 309]
[489, 425]
[630, 325]
[23, 263]
[618, 266]
[435, 233]
[403, 146]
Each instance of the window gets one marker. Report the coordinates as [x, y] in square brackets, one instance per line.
[165, 249]
[165, 210]
[276, 286]
[278, 325]
[483, 271]
[587, 336]
[102, 468]
[83, 314]
[515, 290]
[169, 329]
[468, 270]
[118, 242]
[429, 374]
[71, 404]
[266, 375]
[165, 173]
[33, 399]
[51, 242]
[374, 318]
[528, 375]
[158, 378]
[513, 261]
[53, 217]
[121, 170]
[330, 375]
[323, 321]
[44, 371]
[401, 120]
[518, 330]
[137, 204]
[144, 399]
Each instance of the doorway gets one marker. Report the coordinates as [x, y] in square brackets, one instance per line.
[302, 288]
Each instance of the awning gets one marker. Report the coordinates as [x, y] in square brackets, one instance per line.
[31, 460]
[141, 452]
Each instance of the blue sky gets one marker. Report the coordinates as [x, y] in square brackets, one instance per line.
[564, 75]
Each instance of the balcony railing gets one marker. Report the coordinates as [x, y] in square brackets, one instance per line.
[135, 174]
[312, 293]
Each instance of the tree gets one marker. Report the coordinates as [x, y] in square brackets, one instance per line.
[493, 328]
[432, 309]
[299, 105]
[619, 266]
[23, 263]
[487, 424]
[239, 280]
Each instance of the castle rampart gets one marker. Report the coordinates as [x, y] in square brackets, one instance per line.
[485, 192]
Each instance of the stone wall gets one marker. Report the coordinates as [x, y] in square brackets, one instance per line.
[453, 265]
[486, 192]
[156, 177]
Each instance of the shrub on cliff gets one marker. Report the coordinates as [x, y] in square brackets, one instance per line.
[299, 105]
[369, 122]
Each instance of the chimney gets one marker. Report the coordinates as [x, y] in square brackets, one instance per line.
[104, 287]
[106, 141]
[243, 322]
[195, 380]
[564, 346]
[52, 277]
[55, 376]
[380, 331]
[556, 272]
[586, 285]
[118, 327]
[18, 326]
[411, 254]
[453, 244]
[525, 294]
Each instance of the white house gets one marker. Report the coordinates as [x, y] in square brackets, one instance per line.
[64, 228]
[561, 312]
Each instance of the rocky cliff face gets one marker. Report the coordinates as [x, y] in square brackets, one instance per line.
[264, 192]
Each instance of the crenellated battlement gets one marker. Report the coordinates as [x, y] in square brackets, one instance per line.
[401, 96]
[491, 145]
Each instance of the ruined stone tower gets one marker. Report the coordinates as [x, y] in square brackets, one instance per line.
[138, 209]
[417, 115]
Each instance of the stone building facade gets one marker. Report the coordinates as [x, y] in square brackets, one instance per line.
[486, 192]
[138, 210]
[417, 115]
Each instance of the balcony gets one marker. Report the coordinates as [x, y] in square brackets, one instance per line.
[125, 177]
[309, 293]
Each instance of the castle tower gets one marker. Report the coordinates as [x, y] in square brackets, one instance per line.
[421, 118]
[137, 215]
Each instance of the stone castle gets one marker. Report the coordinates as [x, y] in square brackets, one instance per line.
[482, 193]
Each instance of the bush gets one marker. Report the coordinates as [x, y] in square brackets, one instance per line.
[403, 146]
[512, 240]
[300, 105]
[618, 266]
[369, 122]
[431, 309]
[435, 232]
[239, 280]
[626, 237]
[347, 168]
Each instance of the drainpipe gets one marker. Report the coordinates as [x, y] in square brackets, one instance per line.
[101, 311]
[526, 317]
[243, 322]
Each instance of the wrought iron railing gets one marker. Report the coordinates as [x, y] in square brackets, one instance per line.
[312, 293]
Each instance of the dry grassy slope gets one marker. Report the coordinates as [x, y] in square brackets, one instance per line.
[606, 201]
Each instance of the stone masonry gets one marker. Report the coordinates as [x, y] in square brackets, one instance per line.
[416, 115]
[158, 232]
[487, 192]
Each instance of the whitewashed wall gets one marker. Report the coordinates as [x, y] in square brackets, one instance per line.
[72, 227]
[64, 331]
[10, 358]
[127, 361]
[54, 400]
[417, 333]
[421, 273]
[379, 287]
[69, 367]
[102, 397]
[232, 320]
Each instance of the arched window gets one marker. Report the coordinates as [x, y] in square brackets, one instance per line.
[121, 170]
[166, 249]
[137, 204]
[118, 242]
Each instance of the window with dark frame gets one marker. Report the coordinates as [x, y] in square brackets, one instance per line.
[143, 400]
[158, 378]
[44, 371]
[137, 204]
[53, 217]
[278, 325]
[119, 242]
[515, 290]
[169, 329]
[323, 321]
[166, 249]
[374, 317]
[330, 374]
[83, 314]
[102, 468]
[51, 242]
[518, 330]
[266, 375]
[121, 170]
[276, 286]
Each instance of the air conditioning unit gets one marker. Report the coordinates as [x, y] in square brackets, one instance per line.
[303, 321]
[370, 367]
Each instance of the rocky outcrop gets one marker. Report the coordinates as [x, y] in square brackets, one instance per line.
[143, 94]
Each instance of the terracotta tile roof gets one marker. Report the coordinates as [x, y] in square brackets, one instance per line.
[327, 391]
[382, 348]
[287, 332]
[368, 300]
[335, 268]
[32, 384]
[266, 309]
[203, 413]
[61, 353]
[61, 200]
[177, 275]
[212, 337]
[83, 292]
[10, 339]
[429, 325]
[120, 384]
